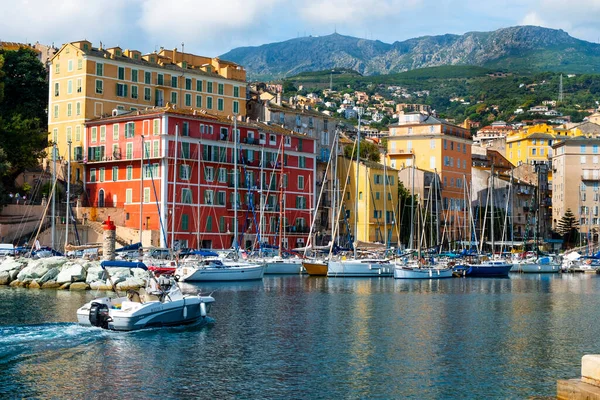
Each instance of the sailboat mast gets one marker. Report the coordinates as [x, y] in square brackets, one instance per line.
[68, 195]
[412, 204]
[174, 188]
[356, 184]
[262, 204]
[198, 202]
[281, 202]
[53, 231]
[142, 191]
[235, 186]
[492, 211]
[385, 235]
[334, 184]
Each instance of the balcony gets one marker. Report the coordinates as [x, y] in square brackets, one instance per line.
[588, 175]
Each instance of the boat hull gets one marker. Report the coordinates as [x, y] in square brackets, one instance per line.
[485, 270]
[422, 273]
[534, 268]
[315, 268]
[283, 267]
[220, 274]
[359, 268]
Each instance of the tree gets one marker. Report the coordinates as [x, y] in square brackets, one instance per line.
[568, 227]
[368, 150]
[23, 118]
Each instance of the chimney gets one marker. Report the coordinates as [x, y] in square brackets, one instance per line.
[175, 55]
[278, 99]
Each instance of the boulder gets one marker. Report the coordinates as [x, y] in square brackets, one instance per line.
[64, 286]
[79, 286]
[100, 285]
[10, 263]
[37, 268]
[50, 285]
[34, 285]
[94, 273]
[71, 272]
[13, 274]
[49, 276]
[4, 278]
[131, 283]
[16, 283]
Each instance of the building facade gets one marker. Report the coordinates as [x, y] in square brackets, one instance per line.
[435, 145]
[181, 180]
[93, 82]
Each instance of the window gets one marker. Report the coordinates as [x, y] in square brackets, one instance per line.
[155, 149]
[301, 202]
[78, 108]
[581, 148]
[69, 109]
[129, 130]
[209, 87]
[69, 133]
[80, 63]
[146, 195]
[93, 175]
[185, 131]
[69, 87]
[184, 172]
[221, 198]
[147, 94]
[94, 134]
[160, 79]
[533, 152]
[582, 160]
[208, 197]
[134, 75]
[236, 107]
[129, 151]
[198, 101]
[209, 174]
[300, 182]
[103, 133]
[199, 85]
[99, 86]
[236, 92]
[147, 78]
[188, 83]
[209, 103]
[174, 81]
[56, 89]
[129, 172]
[99, 69]
[115, 174]
[128, 196]
[146, 153]
[121, 73]
[134, 92]
[188, 100]
[101, 174]
[222, 175]
[185, 150]
[174, 97]
[78, 133]
[121, 90]
[302, 162]
[186, 196]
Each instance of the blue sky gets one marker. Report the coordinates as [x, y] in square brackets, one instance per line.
[211, 28]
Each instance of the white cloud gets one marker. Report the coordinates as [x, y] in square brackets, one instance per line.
[532, 18]
[352, 11]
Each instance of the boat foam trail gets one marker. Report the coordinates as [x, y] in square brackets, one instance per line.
[19, 341]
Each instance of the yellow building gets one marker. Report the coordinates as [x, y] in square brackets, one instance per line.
[435, 145]
[88, 82]
[377, 202]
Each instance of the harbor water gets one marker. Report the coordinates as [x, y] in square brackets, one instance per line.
[314, 338]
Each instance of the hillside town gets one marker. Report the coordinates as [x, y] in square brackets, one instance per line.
[153, 140]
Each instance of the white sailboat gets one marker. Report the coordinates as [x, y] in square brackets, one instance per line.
[357, 267]
[215, 269]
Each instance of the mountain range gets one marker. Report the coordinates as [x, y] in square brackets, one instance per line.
[515, 49]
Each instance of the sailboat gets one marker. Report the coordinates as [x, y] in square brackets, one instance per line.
[216, 269]
[359, 267]
[420, 268]
[486, 267]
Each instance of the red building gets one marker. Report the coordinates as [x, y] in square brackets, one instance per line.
[186, 191]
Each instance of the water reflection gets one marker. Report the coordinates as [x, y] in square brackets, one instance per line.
[306, 337]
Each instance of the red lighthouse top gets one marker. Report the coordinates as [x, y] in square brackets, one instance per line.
[108, 225]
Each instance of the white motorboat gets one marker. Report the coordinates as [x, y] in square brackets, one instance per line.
[537, 265]
[160, 304]
[216, 270]
[360, 267]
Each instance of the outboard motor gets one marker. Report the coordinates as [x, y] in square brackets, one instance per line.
[99, 315]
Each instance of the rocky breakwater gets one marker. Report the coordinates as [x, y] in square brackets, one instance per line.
[62, 273]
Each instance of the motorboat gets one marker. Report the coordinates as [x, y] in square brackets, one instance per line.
[216, 270]
[280, 265]
[315, 267]
[537, 265]
[488, 268]
[160, 304]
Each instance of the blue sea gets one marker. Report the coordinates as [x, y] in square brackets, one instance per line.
[295, 337]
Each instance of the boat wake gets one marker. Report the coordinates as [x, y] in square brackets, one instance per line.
[23, 341]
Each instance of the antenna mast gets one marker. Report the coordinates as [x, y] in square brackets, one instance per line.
[560, 90]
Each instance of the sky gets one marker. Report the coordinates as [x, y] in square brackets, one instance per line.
[211, 28]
